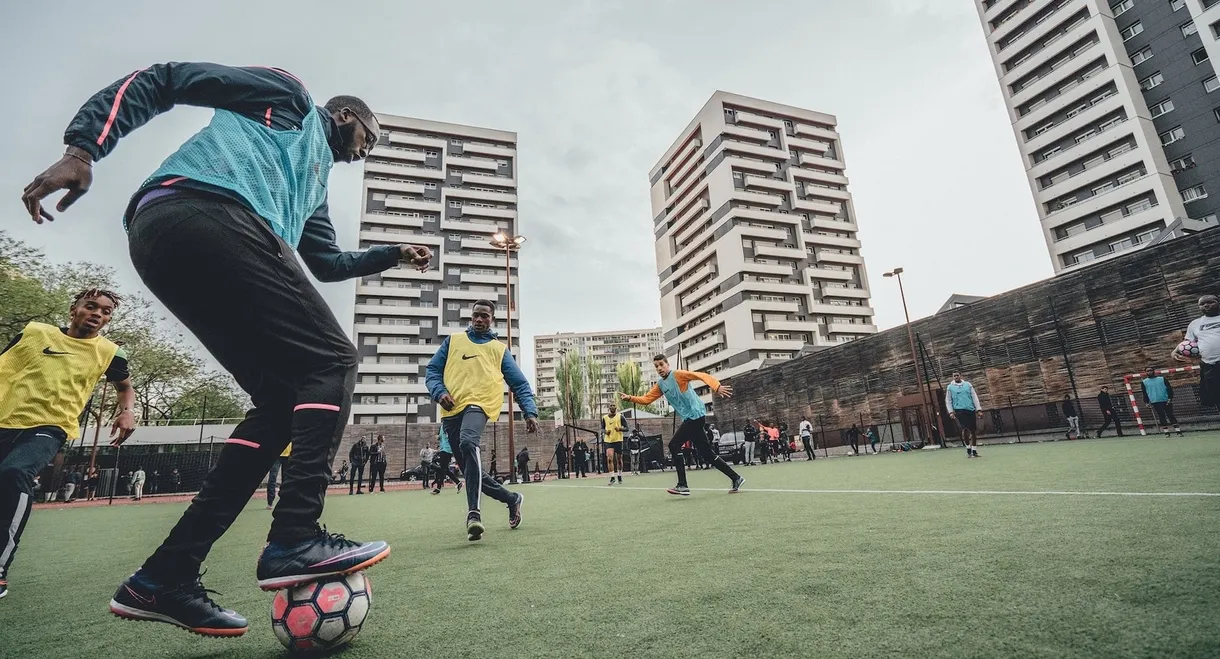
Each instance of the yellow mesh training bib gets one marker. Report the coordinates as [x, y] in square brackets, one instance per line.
[473, 375]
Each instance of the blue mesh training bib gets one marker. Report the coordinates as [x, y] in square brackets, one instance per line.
[282, 174]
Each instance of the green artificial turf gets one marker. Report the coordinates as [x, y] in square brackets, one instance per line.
[624, 572]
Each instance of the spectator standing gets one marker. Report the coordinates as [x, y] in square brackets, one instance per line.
[805, 429]
[71, 481]
[137, 482]
[853, 438]
[749, 440]
[561, 459]
[1072, 416]
[1205, 332]
[580, 457]
[785, 441]
[426, 457]
[377, 465]
[175, 480]
[1107, 411]
[1159, 393]
[961, 398]
[91, 481]
[358, 455]
[523, 464]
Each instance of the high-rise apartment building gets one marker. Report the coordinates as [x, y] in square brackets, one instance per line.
[452, 188]
[756, 244]
[610, 349]
[1114, 104]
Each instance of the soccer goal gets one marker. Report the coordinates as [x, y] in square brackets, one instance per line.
[1135, 408]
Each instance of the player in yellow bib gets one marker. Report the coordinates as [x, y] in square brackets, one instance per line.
[613, 426]
[466, 378]
[46, 376]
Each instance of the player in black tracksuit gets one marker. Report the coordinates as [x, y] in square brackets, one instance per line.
[230, 275]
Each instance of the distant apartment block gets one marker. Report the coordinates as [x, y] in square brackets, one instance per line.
[609, 348]
[450, 187]
[756, 247]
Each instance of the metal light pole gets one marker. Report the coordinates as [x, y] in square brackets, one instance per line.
[897, 274]
[509, 243]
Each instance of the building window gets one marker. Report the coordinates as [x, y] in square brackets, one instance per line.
[1199, 56]
[455, 237]
[1132, 30]
[1216, 112]
[453, 306]
[1122, 7]
[1188, 28]
[728, 115]
[1083, 257]
[1194, 194]
[429, 185]
[1187, 161]
[1177, 4]
[431, 154]
[1172, 135]
[455, 203]
[1142, 55]
[1211, 84]
[1161, 108]
[455, 271]
[1152, 81]
[455, 142]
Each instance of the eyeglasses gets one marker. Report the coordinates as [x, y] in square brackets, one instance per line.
[371, 140]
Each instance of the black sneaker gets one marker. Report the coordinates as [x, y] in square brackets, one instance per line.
[474, 526]
[436, 490]
[612, 480]
[680, 490]
[186, 605]
[737, 483]
[459, 486]
[620, 479]
[284, 565]
[3, 588]
[514, 512]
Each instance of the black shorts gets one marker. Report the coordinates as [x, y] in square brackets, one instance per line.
[966, 419]
[617, 446]
[1209, 384]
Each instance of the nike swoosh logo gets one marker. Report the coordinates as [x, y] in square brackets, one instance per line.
[140, 598]
[465, 357]
[48, 351]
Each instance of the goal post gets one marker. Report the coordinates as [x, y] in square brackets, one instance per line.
[1135, 408]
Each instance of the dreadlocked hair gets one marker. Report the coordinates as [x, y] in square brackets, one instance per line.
[97, 292]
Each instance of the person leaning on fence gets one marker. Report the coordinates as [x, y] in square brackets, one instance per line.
[963, 401]
[1073, 418]
[1107, 410]
[1205, 332]
[1159, 394]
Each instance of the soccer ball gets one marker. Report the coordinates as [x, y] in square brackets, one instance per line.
[1188, 349]
[321, 615]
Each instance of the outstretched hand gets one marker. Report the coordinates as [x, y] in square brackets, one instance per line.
[531, 424]
[725, 391]
[73, 172]
[124, 424]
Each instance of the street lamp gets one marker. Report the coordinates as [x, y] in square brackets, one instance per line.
[927, 428]
[509, 243]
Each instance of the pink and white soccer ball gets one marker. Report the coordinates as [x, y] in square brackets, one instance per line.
[1188, 349]
[321, 615]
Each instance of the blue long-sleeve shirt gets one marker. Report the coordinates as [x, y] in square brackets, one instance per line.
[517, 383]
[263, 94]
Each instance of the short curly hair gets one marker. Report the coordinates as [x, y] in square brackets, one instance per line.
[98, 292]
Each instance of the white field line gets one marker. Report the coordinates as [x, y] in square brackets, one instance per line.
[932, 492]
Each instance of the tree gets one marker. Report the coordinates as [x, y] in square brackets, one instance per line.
[570, 383]
[593, 384]
[631, 382]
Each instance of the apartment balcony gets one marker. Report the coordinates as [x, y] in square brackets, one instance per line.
[408, 349]
[779, 252]
[479, 211]
[813, 132]
[770, 153]
[762, 232]
[827, 195]
[397, 330]
[489, 150]
[392, 310]
[758, 198]
[1117, 226]
[398, 153]
[767, 269]
[479, 195]
[813, 239]
[467, 278]
[392, 369]
[824, 256]
[480, 178]
[392, 186]
[682, 161]
[747, 164]
[777, 345]
[501, 316]
[489, 228]
[817, 176]
[387, 291]
[424, 205]
[1035, 33]
[822, 222]
[1115, 133]
[1136, 188]
[851, 328]
[1104, 171]
[843, 291]
[430, 143]
[806, 145]
[816, 206]
[1038, 59]
[778, 185]
[745, 133]
[690, 187]
[790, 326]
[694, 277]
[1076, 95]
[710, 342]
[393, 237]
[683, 227]
[384, 410]
[408, 273]
[696, 330]
[770, 305]
[754, 119]
[403, 170]
[482, 245]
[823, 309]
[828, 274]
[476, 163]
[479, 260]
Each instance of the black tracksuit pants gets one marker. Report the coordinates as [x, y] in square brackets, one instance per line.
[692, 430]
[241, 291]
[377, 474]
[23, 453]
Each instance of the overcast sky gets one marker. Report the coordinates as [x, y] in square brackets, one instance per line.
[596, 92]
